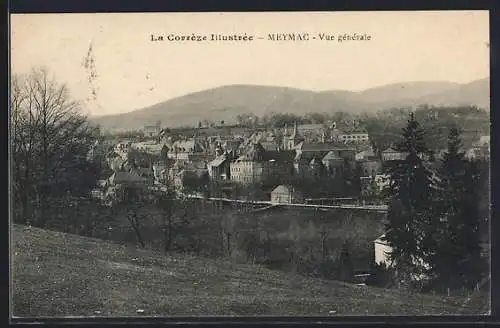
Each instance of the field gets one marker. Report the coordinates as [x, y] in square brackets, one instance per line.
[274, 236]
[58, 274]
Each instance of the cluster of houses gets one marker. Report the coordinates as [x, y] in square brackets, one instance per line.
[279, 159]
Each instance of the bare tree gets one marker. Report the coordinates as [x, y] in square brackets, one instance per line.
[167, 204]
[22, 141]
[228, 224]
[324, 246]
[50, 138]
[135, 221]
[175, 216]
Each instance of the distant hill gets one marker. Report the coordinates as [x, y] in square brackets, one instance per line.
[226, 102]
[476, 93]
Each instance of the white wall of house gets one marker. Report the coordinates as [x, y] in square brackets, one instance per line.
[247, 172]
[382, 256]
[393, 156]
[178, 155]
[354, 137]
[382, 252]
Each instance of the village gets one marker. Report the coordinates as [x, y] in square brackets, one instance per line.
[303, 166]
[249, 170]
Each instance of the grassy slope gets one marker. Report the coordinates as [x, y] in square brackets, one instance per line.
[57, 274]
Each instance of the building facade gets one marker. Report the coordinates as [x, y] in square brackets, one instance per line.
[382, 251]
[286, 194]
[391, 154]
[186, 150]
[152, 130]
[219, 168]
[357, 137]
[257, 165]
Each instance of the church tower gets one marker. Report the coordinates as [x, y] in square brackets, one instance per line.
[290, 141]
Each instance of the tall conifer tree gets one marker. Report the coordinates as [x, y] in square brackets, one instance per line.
[410, 208]
[456, 262]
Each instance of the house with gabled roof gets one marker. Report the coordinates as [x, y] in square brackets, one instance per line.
[333, 163]
[184, 149]
[219, 168]
[354, 137]
[286, 194]
[126, 178]
[256, 165]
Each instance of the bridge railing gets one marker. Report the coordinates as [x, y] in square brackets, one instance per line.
[376, 207]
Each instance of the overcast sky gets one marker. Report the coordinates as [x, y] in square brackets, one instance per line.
[133, 72]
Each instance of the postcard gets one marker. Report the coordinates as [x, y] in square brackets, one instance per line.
[237, 164]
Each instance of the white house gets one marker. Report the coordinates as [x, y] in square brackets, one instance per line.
[391, 154]
[382, 256]
[382, 251]
[354, 137]
[219, 168]
[286, 194]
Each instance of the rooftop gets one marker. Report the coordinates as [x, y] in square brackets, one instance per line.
[121, 177]
[331, 155]
[284, 189]
[218, 161]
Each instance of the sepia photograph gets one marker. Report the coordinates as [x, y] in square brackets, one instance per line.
[234, 164]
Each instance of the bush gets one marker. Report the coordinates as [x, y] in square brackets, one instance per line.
[381, 276]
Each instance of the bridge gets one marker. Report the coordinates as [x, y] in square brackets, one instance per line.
[364, 207]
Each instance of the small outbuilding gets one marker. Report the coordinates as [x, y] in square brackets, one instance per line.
[382, 251]
[382, 256]
[286, 194]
